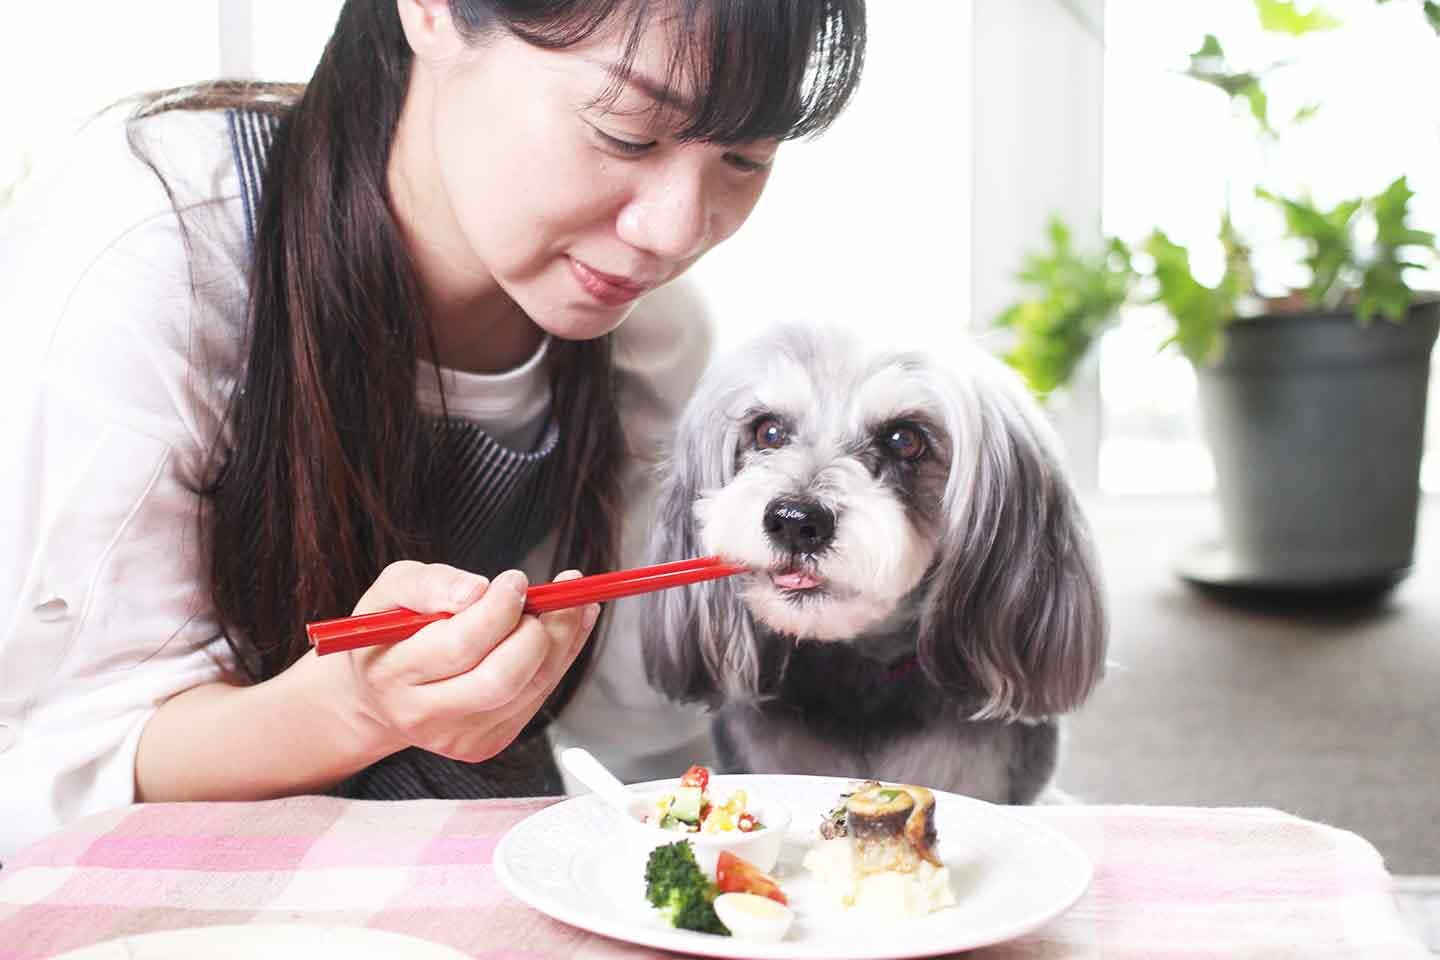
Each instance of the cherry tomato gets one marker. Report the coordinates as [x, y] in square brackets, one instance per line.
[733, 875]
[745, 823]
[696, 776]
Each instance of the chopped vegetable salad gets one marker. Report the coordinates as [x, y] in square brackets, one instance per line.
[689, 809]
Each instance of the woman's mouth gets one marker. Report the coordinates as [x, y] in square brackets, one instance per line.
[609, 289]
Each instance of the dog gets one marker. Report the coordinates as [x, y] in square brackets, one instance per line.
[924, 600]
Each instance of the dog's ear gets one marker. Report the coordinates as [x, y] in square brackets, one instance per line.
[670, 619]
[1015, 603]
[698, 640]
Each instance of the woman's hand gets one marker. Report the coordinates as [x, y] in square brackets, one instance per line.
[462, 687]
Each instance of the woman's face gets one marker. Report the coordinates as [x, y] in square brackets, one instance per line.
[569, 204]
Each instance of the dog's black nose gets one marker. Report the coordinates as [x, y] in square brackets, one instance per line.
[799, 526]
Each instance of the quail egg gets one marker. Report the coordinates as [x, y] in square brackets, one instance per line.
[752, 917]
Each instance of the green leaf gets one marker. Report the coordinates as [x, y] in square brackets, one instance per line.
[1259, 104]
[1239, 279]
[1340, 271]
[1282, 16]
[1208, 65]
[1329, 236]
[1391, 208]
[1200, 312]
[1074, 297]
[1305, 113]
[1210, 50]
[1383, 289]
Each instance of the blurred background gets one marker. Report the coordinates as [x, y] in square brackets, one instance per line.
[977, 123]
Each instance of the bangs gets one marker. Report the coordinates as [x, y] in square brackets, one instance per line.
[756, 69]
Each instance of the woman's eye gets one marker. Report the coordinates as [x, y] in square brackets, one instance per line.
[769, 434]
[906, 443]
[745, 164]
[628, 148]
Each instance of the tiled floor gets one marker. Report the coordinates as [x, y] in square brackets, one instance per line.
[1420, 902]
[1327, 715]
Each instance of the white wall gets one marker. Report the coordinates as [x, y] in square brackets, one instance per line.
[1039, 88]
[975, 120]
[61, 63]
[868, 224]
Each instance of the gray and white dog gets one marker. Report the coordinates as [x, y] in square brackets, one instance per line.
[925, 599]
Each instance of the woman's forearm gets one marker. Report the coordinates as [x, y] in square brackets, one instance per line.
[273, 739]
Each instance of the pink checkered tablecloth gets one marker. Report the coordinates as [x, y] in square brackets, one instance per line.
[1169, 881]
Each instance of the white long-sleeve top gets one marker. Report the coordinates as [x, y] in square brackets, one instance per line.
[123, 338]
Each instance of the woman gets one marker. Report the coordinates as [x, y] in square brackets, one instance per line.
[283, 355]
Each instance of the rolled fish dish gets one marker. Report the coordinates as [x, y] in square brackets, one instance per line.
[879, 854]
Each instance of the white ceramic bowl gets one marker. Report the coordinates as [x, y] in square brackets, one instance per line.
[759, 847]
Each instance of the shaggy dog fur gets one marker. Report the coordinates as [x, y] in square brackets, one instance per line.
[925, 600]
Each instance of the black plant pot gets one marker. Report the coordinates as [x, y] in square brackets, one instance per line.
[1316, 425]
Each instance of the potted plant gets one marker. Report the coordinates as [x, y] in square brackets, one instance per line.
[1312, 400]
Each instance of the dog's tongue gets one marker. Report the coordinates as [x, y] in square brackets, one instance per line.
[797, 580]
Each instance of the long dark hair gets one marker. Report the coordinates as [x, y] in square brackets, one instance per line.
[321, 480]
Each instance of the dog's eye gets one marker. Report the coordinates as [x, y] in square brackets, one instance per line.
[769, 434]
[907, 443]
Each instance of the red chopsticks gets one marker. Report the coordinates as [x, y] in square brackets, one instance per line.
[388, 626]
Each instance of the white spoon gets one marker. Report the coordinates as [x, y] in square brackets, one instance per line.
[592, 773]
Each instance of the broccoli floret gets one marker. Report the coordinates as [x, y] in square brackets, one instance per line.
[670, 868]
[694, 912]
[675, 886]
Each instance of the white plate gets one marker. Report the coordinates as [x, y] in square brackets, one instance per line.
[291, 941]
[1010, 875]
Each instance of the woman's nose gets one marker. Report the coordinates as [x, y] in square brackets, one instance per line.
[672, 219]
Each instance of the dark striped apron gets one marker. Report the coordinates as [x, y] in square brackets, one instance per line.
[496, 513]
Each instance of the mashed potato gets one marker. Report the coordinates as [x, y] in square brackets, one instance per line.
[888, 893]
